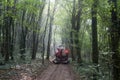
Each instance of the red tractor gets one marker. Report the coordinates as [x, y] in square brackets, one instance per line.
[61, 56]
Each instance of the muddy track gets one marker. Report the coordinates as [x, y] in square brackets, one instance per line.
[57, 72]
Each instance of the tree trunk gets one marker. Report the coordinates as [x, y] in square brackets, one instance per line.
[49, 41]
[50, 30]
[71, 46]
[78, 26]
[12, 32]
[33, 45]
[44, 34]
[73, 20]
[95, 52]
[8, 23]
[1, 41]
[23, 37]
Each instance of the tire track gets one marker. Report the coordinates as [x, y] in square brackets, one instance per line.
[57, 72]
[47, 73]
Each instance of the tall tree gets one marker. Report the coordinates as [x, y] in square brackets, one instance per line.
[95, 52]
[77, 28]
[50, 29]
[36, 27]
[73, 20]
[13, 8]
[23, 36]
[8, 21]
[45, 31]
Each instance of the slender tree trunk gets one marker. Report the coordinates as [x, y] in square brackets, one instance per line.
[33, 45]
[95, 52]
[34, 36]
[78, 26]
[0, 28]
[50, 30]
[23, 37]
[73, 20]
[44, 34]
[94, 33]
[35, 28]
[49, 42]
[71, 46]
[12, 32]
[8, 23]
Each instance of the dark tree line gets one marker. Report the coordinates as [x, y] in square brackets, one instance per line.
[20, 26]
[104, 32]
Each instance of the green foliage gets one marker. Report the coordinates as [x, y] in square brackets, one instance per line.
[62, 23]
[118, 9]
[86, 71]
[29, 5]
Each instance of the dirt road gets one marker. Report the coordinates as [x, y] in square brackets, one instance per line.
[57, 72]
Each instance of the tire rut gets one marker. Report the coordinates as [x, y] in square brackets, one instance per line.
[57, 72]
[47, 73]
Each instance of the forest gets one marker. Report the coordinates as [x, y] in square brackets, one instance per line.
[30, 31]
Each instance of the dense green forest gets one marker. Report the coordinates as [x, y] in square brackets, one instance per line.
[32, 29]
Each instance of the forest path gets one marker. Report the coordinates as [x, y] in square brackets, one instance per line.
[57, 72]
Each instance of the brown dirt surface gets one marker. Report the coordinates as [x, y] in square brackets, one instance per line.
[38, 71]
[58, 72]
[24, 71]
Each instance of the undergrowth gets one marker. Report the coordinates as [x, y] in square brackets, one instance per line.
[86, 71]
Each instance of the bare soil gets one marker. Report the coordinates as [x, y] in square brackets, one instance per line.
[40, 72]
[57, 72]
